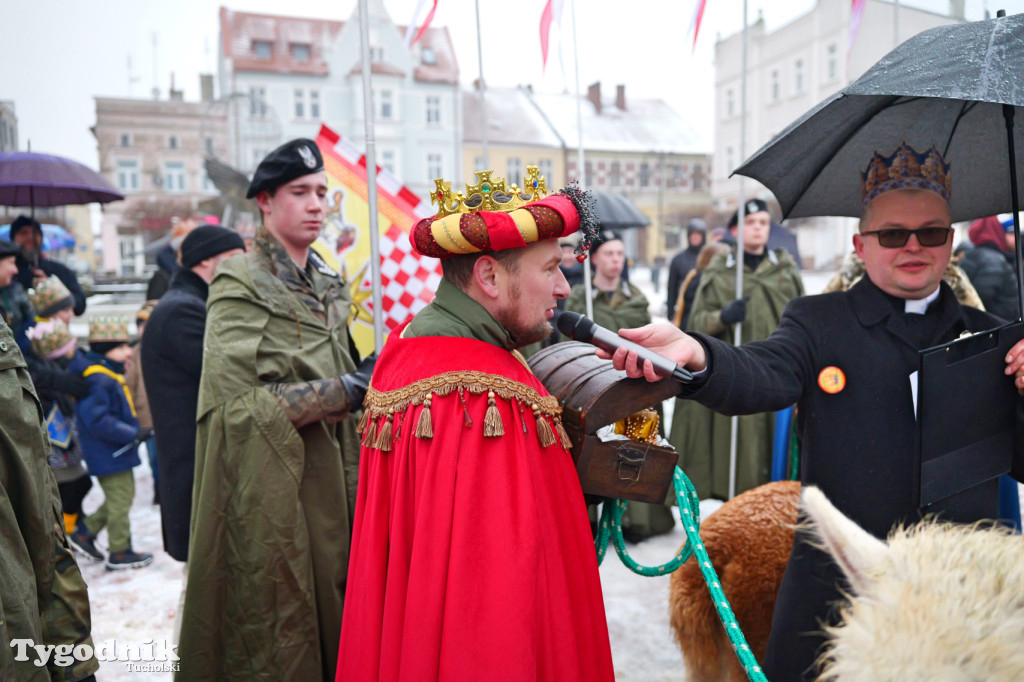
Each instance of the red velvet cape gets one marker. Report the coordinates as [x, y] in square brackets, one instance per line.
[472, 556]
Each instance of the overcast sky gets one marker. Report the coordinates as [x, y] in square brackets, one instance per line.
[56, 55]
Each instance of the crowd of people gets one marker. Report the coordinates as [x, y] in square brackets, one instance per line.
[417, 515]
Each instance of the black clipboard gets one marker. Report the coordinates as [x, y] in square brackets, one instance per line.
[965, 412]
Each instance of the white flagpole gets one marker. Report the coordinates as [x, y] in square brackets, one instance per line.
[587, 284]
[371, 181]
[738, 338]
[482, 88]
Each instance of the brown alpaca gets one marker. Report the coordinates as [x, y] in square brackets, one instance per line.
[748, 541]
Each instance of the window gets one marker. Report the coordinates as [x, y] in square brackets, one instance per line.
[832, 62]
[546, 168]
[257, 101]
[209, 145]
[263, 49]
[172, 142]
[434, 169]
[126, 140]
[515, 171]
[376, 54]
[428, 56]
[478, 164]
[615, 177]
[385, 109]
[387, 160]
[314, 104]
[645, 174]
[127, 249]
[776, 92]
[728, 160]
[300, 103]
[300, 52]
[208, 185]
[433, 110]
[798, 76]
[257, 155]
[730, 104]
[128, 176]
[174, 176]
[588, 174]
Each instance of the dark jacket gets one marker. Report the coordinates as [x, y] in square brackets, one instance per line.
[172, 364]
[990, 268]
[106, 419]
[681, 264]
[52, 267]
[166, 260]
[857, 444]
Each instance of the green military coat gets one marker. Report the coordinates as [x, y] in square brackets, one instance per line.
[272, 505]
[42, 594]
[701, 436]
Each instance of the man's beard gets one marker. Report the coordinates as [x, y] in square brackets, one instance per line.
[521, 334]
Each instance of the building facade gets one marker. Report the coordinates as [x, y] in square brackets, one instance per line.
[789, 71]
[284, 76]
[153, 152]
[8, 127]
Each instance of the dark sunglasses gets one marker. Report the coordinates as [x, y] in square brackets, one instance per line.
[897, 237]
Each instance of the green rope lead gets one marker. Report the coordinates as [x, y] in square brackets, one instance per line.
[689, 509]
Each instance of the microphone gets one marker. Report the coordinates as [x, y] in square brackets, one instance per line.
[580, 328]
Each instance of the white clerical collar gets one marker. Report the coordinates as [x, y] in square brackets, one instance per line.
[919, 306]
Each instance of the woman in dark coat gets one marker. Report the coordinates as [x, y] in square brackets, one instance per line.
[989, 265]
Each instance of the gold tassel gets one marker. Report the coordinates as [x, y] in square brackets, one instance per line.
[371, 434]
[363, 421]
[425, 426]
[544, 433]
[384, 439]
[562, 434]
[493, 426]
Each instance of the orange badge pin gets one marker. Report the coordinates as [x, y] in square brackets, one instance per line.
[832, 380]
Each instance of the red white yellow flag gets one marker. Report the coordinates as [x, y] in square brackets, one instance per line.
[408, 281]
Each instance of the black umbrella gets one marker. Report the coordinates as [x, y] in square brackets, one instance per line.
[957, 87]
[616, 212]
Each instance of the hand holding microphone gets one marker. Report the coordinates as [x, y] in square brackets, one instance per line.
[580, 328]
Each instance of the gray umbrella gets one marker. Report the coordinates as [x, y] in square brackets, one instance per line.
[944, 87]
[616, 212]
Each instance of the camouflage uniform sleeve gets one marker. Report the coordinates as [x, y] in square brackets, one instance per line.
[306, 402]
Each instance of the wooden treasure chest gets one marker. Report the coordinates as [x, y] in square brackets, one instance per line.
[593, 394]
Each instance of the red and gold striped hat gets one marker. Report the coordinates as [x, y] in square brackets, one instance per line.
[491, 216]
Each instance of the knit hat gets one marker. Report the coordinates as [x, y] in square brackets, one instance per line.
[109, 328]
[50, 339]
[8, 249]
[207, 241]
[22, 222]
[50, 297]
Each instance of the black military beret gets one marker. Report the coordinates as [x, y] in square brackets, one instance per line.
[753, 206]
[8, 249]
[289, 161]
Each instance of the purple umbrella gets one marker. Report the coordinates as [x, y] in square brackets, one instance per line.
[31, 179]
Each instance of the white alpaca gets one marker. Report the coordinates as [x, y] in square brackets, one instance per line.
[935, 602]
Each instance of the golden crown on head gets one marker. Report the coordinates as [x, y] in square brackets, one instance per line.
[489, 193]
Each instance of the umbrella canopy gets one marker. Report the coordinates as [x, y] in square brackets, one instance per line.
[944, 87]
[31, 179]
[616, 212]
[54, 237]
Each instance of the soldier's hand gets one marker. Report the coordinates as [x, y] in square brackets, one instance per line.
[735, 311]
[663, 338]
[357, 382]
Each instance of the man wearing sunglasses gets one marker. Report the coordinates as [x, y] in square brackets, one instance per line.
[848, 360]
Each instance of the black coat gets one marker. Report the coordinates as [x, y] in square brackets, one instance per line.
[678, 268]
[172, 363]
[991, 272]
[858, 444]
[51, 267]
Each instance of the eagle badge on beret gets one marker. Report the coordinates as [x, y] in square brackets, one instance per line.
[307, 156]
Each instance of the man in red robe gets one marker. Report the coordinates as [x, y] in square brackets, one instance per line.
[472, 557]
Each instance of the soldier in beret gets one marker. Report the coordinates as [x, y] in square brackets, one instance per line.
[277, 452]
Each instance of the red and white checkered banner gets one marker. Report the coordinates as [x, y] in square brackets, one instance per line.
[407, 280]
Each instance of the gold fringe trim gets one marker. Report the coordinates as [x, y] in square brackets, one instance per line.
[363, 421]
[544, 434]
[380, 404]
[563, 434]
[384, 439]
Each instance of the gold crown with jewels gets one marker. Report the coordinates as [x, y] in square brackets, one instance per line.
[488, 194]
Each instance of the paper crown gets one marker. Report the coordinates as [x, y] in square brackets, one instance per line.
[50, 297]
[492, 216]
[109, 328]
[906, 169]
[50, 338]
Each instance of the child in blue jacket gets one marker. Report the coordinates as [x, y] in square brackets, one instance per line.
[110, 434]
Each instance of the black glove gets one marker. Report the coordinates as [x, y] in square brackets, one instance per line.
[143, 434]
[356, 383]
[75, 385]
[735, 311]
